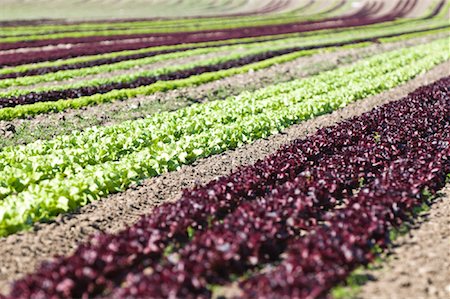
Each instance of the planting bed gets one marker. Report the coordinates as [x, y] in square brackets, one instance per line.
[272, 153]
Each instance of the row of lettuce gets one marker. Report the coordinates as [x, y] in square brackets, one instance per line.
[45, 178]
[313, 212]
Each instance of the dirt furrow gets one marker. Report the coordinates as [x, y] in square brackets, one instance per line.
[418, 266]
[21, 253]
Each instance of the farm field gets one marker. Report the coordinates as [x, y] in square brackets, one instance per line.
[225, 149]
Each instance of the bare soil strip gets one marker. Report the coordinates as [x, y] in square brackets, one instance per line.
[418, 267]
[23, 252]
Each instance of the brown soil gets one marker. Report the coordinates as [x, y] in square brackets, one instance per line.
[23, 252]
[418, 266]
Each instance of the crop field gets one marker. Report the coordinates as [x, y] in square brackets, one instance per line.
[225, 149]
